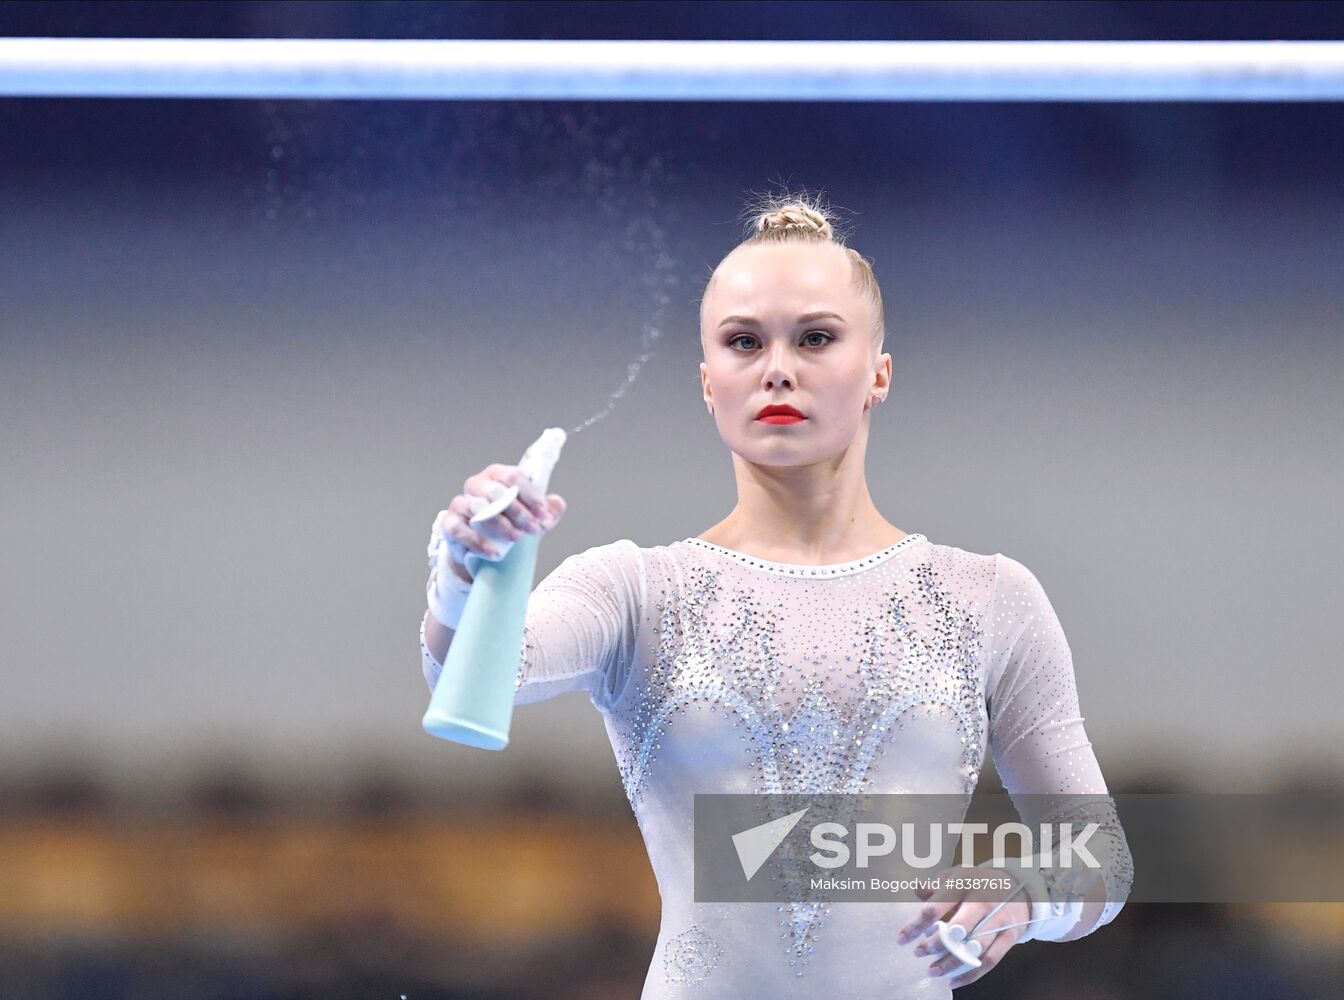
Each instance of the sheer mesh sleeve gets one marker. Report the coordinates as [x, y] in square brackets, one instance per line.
[1037, 737]
[581, 628]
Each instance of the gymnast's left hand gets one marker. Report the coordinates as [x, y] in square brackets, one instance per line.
[951, 904]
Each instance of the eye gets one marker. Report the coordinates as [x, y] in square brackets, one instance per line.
[811, 333]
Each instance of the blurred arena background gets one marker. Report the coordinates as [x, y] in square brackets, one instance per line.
[248, 349]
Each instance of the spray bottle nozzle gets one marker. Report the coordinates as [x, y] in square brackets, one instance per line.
[536, 464]
[541, 456]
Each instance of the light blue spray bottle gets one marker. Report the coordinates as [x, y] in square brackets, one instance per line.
[473, 699]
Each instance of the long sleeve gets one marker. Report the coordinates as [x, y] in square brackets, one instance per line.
[1036, 727]
[581, 627]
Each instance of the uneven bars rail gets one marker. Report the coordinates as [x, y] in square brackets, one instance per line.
[672, 70]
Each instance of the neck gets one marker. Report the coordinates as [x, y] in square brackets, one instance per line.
[815, 514]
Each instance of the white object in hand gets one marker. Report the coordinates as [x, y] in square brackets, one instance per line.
[537, 462]
[446, 592]
[966, 950]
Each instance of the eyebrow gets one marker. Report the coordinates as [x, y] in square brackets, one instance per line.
[805, 318]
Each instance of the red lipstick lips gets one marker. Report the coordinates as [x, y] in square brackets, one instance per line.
[775, 414]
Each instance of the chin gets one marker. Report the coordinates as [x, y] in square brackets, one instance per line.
[784, 456]
[785, 451]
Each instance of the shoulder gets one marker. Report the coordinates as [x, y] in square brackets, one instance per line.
[619, 550]
[611, 566]
[1017, 588]
[1002, 587]
[619, 557]
[659, 570]
[970, 574]
[956, 556]
[1006, 575]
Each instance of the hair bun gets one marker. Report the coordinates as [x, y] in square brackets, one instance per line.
[794, 215]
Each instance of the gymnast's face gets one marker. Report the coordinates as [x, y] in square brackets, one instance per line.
[766, 341]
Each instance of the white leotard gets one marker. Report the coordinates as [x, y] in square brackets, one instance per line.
[718, 672]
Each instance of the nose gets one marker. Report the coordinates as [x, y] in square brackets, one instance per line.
[777, 371]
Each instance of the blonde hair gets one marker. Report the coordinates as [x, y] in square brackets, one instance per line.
[803, 218]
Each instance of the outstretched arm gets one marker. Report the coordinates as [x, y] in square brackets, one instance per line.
[580, 631]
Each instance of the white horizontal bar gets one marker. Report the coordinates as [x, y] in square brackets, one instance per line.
[670, 71]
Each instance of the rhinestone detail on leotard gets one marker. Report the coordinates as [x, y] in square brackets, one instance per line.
[690, 957]
[823, 740]
[716, 672]
[797, 569]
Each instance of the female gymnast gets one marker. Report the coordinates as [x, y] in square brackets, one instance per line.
[804, 644]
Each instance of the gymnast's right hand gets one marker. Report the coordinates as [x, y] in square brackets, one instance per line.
[452, 537]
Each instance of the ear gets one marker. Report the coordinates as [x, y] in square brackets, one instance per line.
[705, 389]
[882, 375]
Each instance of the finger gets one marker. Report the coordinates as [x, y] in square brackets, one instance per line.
[945, 964]
[529, 512]
[491, 487]
[965, 917]
[996, 950]
[527, 491]
[935, 906]
[510, 524]
[941, 959]
[930, 912]
[551, 512]
[502, 528]
[472, 540]
[556, 506]
[463, 507]
[968, 916]
[526, 510]
[440, 525]
[468, 538]
[522, 518]
[938, 903]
